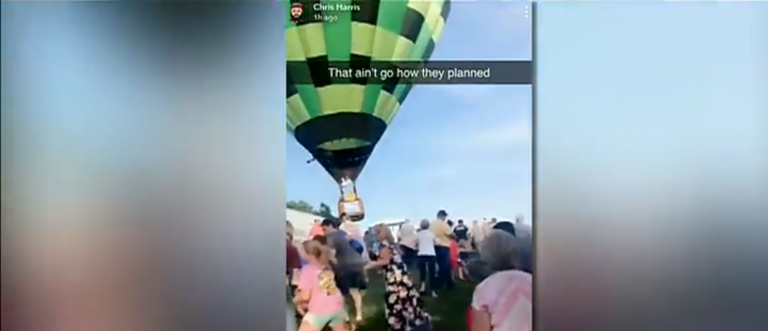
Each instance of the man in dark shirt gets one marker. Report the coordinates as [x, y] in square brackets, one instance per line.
[461, 231]
[348, 269]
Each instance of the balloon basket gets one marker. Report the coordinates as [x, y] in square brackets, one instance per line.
[354, 209]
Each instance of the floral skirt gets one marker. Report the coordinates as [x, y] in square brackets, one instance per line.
[404, 307]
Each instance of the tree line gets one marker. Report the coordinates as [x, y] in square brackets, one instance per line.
[323, 210]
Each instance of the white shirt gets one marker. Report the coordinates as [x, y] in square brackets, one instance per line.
[407, 236]
[477, 233]
[426, 243]
[486, 229]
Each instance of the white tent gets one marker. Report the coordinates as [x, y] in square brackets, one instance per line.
[302, 223]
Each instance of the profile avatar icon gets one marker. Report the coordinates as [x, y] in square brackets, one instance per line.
[296, 10]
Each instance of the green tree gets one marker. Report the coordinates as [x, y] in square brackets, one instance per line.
[301, 205]
[324, 210]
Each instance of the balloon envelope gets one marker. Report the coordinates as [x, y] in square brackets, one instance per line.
[340, 123]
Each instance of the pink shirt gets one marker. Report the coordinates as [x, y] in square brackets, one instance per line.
[325, 297]
[506, 296]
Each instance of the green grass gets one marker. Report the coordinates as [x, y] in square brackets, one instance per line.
[448, 310]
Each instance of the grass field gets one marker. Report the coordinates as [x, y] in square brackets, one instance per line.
[448, 310]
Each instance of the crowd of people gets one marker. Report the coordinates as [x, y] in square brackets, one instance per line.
[334, 264]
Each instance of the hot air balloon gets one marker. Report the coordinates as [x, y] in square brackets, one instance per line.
[340, 122]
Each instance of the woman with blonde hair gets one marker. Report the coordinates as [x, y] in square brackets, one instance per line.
[319, 299]
[503, 300]
[404, 307]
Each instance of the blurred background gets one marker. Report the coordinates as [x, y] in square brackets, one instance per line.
[138, 139]
[143, 166]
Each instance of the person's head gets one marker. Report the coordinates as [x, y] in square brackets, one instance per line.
[461, 222]
[519, 219]
[296, 10]
[317, 221]
[288, 230]
[507, 227]
[442, 214]
[317, 252]
[450, 223]
[493, 220]
[424, 224]
[474, 222]
[383, 233]
[500, 251]
[319, 238]
[329, 225]
[344, 217]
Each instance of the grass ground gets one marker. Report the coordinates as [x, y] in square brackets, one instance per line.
[448, 310]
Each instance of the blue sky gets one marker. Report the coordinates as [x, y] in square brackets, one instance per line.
[466, 149]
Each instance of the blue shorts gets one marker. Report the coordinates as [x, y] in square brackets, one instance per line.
[319, 321]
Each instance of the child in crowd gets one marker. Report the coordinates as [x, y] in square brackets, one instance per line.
[466, 255]
[319, 299]
[454, 251]
[425, 258]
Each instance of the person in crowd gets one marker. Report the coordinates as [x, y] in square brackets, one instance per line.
[370, 239]
[461, 232]
[353, 232]
[486, 226]
[349, 265]
[351, 228]
[289, 229]
[319, 299]
[454, 250]
[407, 241]
[476, 234]
[293, 260]
[523, 230]
[443, 234]
[503, 300]
[507, 227]
[316, 229]
[426, 258]
[525, 245]
[404, 307]
[466, 255]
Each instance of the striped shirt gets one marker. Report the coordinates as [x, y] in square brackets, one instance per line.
[506, 296]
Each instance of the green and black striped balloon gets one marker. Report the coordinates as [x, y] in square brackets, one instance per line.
[340, 123]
